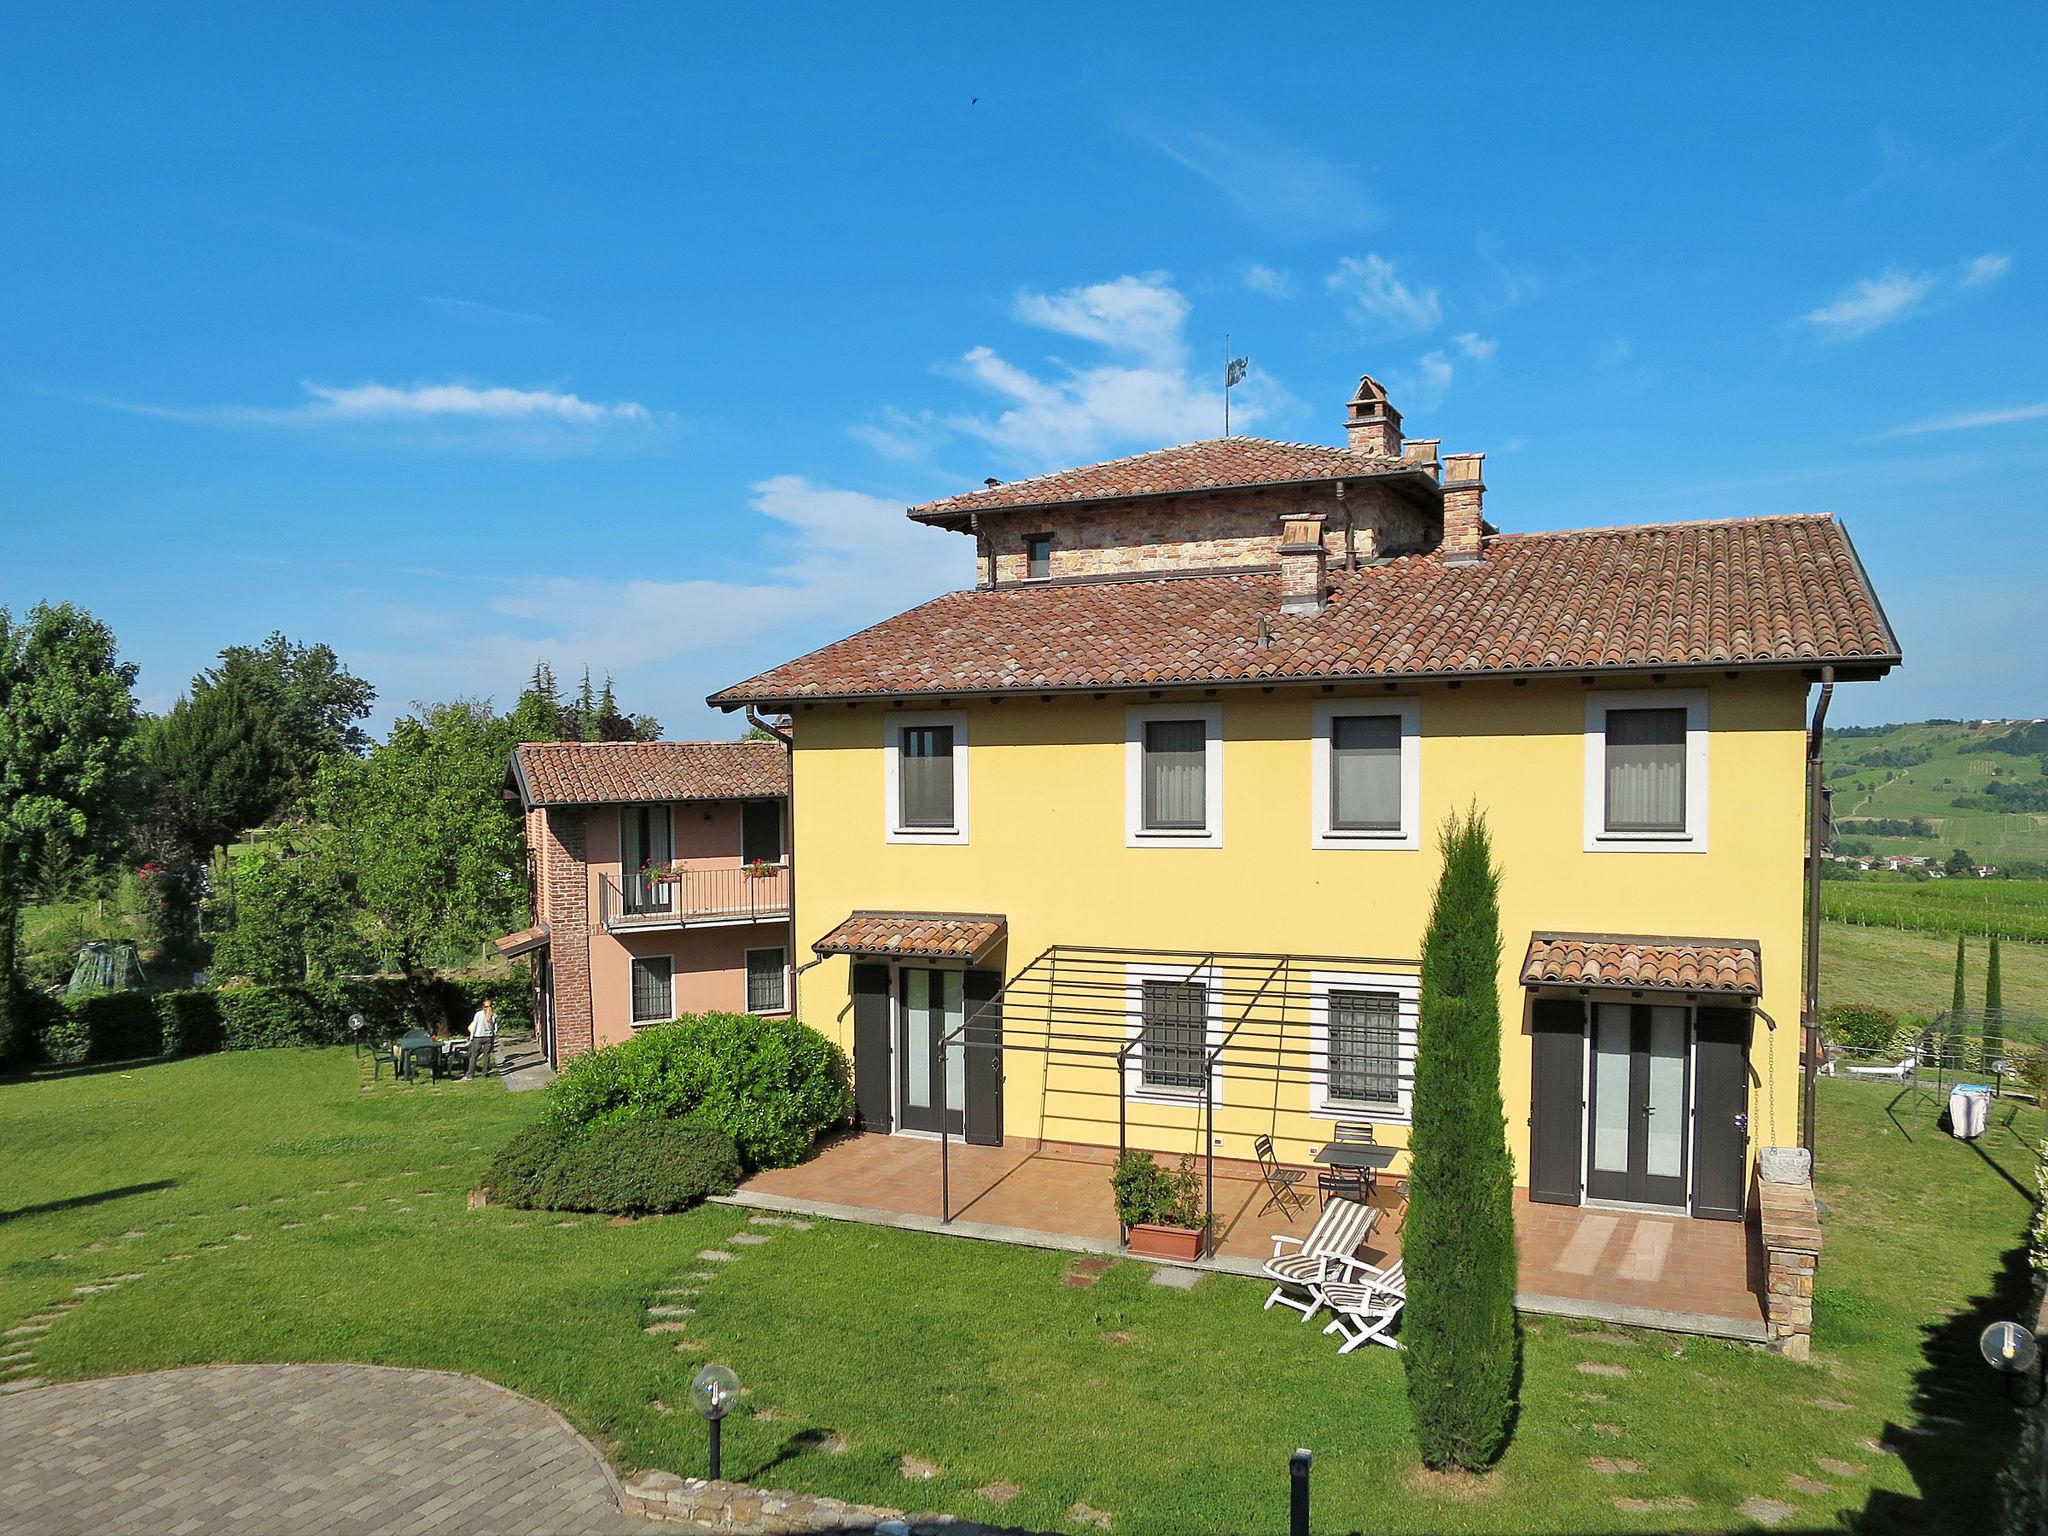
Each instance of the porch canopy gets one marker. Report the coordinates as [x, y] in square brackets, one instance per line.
[524, 942]
[1256, 1029]
[1643, 963]
[965, 936]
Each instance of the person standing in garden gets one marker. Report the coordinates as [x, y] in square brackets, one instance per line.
[483, 1037]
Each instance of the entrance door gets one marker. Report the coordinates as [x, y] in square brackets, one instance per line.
[645, 844]
[934, 1006]
[1637, 1141]
[1720, 1134]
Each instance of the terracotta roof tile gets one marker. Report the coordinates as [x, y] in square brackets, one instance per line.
[924, 935]
[525, 941]
[613, 772]
[1785, 590]
[1219, 463]
[1644, 963]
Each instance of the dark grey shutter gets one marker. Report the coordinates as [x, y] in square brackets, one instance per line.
[871, 1031]
[1720, 1127]
[982, 1038]
[1557, 1113]
[761, 831]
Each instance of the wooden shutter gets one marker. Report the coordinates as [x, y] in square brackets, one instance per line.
[984, 1063]
[1720, 1126]
[1557, 1111]
[872, 1096]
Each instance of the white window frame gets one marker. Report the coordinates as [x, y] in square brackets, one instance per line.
[747, 974]
[1136, 833]
[1407, 988]
[1694, 838]
[1321, 833]
[1135, 977]
[893, 727]
[638, 960]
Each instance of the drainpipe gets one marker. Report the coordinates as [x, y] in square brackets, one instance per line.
[788, 740]
[1809, 1043]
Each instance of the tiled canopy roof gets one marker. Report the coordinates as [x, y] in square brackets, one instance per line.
[1217, 464]
[614, 772]
[1745, 591]
[921, 935]
[525, 941]
[1622, 960]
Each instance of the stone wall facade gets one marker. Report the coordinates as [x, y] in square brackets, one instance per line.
[1790, 1226]
[1208, 531]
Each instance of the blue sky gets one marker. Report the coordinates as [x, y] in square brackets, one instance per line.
[461, 336]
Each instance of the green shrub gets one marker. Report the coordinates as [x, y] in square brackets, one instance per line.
[516, 1173]
[1462, 1342]
[1862, 1027]
[770, 1084]
[34, 1015]
[119, 1026]
[256, 1018]
[630, 1168]
[66, 1041]
[189, 1021]
[1146, 1193]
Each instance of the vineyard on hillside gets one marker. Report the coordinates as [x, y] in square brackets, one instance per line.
[2005, 909]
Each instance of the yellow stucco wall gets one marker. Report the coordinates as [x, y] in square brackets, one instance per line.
[1047, 850]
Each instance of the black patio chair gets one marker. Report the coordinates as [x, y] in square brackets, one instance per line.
[1348, 1183]
[1279, 1181]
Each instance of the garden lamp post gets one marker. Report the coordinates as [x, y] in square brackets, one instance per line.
[2011, 1350]
[713, 1391]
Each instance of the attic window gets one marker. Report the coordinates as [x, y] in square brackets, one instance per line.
[1037, 556]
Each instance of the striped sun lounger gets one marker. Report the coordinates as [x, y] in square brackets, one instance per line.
[1301, 1264]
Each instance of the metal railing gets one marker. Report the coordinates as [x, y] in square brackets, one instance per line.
[678, 898]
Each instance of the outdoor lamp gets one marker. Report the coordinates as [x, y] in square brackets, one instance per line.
[2011, 1350]
[713, 1391]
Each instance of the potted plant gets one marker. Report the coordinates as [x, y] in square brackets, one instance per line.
[761, 868]
[1162, 1211]
[658, 875]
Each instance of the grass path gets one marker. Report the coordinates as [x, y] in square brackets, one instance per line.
[265, 1207]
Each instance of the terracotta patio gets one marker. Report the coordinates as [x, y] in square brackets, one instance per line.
[1622, 1266]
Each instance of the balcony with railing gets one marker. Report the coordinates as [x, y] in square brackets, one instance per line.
[691, 898]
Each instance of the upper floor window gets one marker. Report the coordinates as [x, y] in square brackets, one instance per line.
[1174, 775]
[1365, 773]
[1038, 556]
[1646, 764]
[925, 761]
[761, 831]
[653, 989]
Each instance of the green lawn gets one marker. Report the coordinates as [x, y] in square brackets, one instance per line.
[1914, 973]
[231, 1186]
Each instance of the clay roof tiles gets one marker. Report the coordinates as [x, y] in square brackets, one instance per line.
[1768, 590]
[617, 772]
[1643, 963]
[1222, 463]
[922, 935]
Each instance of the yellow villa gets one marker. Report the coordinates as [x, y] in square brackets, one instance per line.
[1132, 842]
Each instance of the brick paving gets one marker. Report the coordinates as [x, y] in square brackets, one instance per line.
[320, 1450]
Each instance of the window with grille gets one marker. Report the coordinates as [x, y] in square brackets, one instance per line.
[925, 776]
[653, 989]
[1173, 1035]
[1365, 1048]
[767, 981]
[1645, 770]
[1176, 775]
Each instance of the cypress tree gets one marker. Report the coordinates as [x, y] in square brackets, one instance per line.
[1994, 1011]
[1950, 1043]
[1461, 1337]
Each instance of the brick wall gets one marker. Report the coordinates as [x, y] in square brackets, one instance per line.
[565, 898]
[1201, 532]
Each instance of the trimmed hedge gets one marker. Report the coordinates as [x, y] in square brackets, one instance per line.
[633, 1168]
[124, 1026]
[770, 1084]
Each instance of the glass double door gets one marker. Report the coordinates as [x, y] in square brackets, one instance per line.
[1639, 1095]
[933, 1007]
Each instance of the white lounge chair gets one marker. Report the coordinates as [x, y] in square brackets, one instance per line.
[1363, 1311]
[1327, 1253]
[1899, 1072]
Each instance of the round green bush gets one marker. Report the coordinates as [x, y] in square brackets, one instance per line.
[641, 1167]
[770, 1084]
[1861, 1027]
[522, 1164]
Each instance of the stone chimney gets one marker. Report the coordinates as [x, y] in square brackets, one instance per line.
[1303, 565]
[1371, 425]
[1464, 490]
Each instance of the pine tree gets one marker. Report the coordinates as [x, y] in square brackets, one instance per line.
[587, 724]
[538, 714]
[1994, 1011]
[1460, 1333]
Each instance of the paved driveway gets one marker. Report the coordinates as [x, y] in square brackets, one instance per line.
[319, 1450]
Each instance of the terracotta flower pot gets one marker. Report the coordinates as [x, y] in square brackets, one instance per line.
[1156, 1242]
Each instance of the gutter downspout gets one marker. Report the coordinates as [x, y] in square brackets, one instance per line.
[1809, 1042]
[788, 740]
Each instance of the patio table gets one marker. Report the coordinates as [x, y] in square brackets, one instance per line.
[415, 1047]
[1364, 1158]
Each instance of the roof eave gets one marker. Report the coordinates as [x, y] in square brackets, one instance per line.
[959, 518]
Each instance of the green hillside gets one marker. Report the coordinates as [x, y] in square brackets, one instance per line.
[1917, 772]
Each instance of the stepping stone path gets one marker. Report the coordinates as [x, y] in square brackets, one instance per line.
[1175, 1279]
[751, 1238]
[716, 1256]
[1608, 1466]
[998, 1493]
[794, 1223]
[1085, 1272]
[1837, 1468]
[1806, 1485]
[669, 1310]
[917, 1469]
[667, 1327]
[1088, 1514]
[1765, 1511]
[1676, 1501]
[1600, 1368]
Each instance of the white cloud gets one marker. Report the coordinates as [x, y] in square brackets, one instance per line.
[1964, 421]
[1268, 180]
[1274, 284]
[1423, 387]
[1145, 316]
[1475, 346]
[1895, 294]
[1372, 293]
